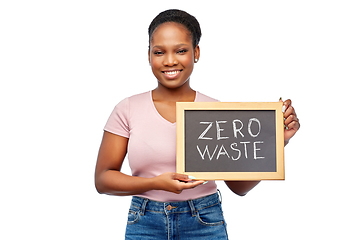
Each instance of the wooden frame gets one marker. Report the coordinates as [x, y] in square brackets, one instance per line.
[182, 107]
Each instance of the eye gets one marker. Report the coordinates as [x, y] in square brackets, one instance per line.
[158, 53]
[182, 51]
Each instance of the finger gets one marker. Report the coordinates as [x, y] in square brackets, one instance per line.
[192, 184]
[286, 106]
[287, 102]
[290, 119]
[182, 177]
[294, 125]
[290, 111]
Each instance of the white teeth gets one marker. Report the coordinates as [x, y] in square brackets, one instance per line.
[172, 72]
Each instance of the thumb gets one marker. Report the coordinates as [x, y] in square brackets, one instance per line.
[284, 105]
[182, 177]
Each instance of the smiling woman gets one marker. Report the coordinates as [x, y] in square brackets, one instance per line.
[143, 127]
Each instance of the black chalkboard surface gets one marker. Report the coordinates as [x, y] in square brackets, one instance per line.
[230, 141]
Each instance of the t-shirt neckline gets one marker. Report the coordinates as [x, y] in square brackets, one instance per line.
[159, 115]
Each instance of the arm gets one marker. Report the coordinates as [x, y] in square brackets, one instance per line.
[109, 179]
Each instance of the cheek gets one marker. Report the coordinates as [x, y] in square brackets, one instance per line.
[188, 62]
[155, 66]
[155, 63]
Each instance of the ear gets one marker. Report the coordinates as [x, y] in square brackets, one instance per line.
[197, 52]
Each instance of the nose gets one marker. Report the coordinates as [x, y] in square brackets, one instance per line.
[170, 60]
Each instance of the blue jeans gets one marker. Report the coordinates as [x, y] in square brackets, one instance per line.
[200, 218]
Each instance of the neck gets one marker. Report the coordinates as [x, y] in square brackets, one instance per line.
[182, 94]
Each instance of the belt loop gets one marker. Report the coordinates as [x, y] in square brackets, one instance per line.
[220, 197]
[192, 207]
[143, 206]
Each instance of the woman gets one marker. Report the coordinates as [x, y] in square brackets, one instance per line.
[166, 204]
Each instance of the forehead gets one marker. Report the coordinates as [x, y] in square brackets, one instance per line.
[170, 32]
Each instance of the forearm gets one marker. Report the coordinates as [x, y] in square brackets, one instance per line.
[241, 188]
[114, 182]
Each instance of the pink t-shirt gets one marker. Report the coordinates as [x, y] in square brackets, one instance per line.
[152, 143]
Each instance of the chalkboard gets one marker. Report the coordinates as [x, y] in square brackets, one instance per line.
[230, 141]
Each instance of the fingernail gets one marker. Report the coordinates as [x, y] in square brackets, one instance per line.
[205, 182]
[283, 108]
[191, 177]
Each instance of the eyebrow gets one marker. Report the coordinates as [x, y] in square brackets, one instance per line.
[178, 45]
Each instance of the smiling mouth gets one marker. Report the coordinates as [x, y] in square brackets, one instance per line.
[172, 73]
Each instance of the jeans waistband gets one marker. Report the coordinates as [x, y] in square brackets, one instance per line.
[192, 206]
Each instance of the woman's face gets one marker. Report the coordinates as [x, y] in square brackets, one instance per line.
[171, 55]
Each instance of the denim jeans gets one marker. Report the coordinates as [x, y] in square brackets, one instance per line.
[200, 218]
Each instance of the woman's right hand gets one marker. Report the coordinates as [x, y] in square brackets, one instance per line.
[175, 182]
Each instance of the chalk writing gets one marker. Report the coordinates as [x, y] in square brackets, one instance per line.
[236, 149]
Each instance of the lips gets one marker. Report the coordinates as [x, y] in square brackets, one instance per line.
[171, 74]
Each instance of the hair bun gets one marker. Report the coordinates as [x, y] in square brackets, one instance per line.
[177, 16]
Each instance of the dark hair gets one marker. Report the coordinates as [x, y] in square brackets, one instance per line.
[177, 16]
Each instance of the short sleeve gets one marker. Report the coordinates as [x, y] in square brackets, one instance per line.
[118, 122]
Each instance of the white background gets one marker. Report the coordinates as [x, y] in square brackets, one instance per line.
[65, 64]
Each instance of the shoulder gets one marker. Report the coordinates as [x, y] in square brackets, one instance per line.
[127, 106]
[141, 97]
[204, 98]
[121, 118]
[134, 100]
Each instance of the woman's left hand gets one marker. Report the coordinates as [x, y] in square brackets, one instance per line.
[291, 121]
